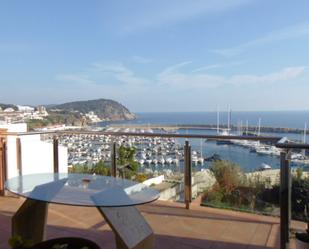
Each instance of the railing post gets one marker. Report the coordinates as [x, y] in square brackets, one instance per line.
[113, 159]
[56, 154]
[285, 200]
[3, 174]
[18, 156]
[187, 175]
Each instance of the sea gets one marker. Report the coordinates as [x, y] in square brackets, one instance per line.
[242, 156]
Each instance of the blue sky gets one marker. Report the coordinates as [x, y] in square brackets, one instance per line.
[176, 55]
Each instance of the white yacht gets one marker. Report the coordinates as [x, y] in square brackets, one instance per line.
[265, 166]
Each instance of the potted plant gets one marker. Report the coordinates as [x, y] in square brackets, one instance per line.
[16, 242]
[302, 240]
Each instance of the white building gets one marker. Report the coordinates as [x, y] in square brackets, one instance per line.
[9, 109]
[24, 108]
[93, 117]
[36, 155]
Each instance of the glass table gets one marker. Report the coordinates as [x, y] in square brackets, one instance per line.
[115, 199]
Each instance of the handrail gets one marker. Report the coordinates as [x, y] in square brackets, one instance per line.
[168, 135]
[280, 142]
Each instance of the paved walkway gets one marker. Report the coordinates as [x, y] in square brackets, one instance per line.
[174, 226]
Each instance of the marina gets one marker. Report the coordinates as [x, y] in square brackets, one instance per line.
[157, 155]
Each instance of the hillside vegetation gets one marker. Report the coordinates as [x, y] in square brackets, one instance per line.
[105, 109]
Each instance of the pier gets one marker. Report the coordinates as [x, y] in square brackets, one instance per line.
[171, 127]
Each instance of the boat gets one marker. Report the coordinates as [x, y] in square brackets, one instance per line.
[264, 166]
[194, 159]
[200, 159]
[224, 132]
[161, 160]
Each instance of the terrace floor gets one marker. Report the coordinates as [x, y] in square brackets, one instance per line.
[173, 225]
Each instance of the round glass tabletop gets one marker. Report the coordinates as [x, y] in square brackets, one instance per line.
[82, 190]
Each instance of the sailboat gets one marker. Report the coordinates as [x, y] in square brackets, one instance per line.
[225, 132]
[200, 159]
[304, 139]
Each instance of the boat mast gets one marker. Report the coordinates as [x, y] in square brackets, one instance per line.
[259, 127]
[218, 120]
[304, 138]
[241, 128]
[201, 148]
[305, 133]
[229, 119]
[247, 127]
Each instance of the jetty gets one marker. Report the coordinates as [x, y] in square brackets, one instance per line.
[175, 127]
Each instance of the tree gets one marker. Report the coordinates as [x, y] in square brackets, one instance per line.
[126, 161]
[100, 169]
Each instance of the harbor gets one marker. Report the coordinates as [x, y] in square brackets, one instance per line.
[157, 155]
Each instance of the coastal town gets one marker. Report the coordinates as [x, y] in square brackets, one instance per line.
[22, 113]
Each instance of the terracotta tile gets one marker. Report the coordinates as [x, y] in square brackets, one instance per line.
[173, 225]
[260, 236]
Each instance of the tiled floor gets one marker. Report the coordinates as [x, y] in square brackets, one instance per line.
[174, 226]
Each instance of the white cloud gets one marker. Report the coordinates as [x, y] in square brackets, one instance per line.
[104, 74]
[141, 59]
[121, 73]
[205, 68]
[160, 13]
[75, 78]
[175, 78]
[118, 77]
[214, 66]
[287, 33]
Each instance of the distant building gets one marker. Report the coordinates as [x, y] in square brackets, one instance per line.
[24, 108]
[9, 109]
[93, 117]
[41, 110]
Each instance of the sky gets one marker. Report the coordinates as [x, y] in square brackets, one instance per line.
[157, 56]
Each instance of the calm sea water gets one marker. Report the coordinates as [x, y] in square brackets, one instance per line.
[290, 119]
[242, 156]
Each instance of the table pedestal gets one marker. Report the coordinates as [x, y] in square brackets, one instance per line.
[131, 229]
[29, 221]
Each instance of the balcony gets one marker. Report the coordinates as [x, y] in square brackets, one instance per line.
[175, 225]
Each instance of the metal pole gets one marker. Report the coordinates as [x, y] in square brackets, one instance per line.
[56, 154]
[285, 200]
[114, 163]
[18, 156]
[3, 167]
[187, 175]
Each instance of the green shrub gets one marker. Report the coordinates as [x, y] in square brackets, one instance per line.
[100, 169]
[141, 177]
[227, 175]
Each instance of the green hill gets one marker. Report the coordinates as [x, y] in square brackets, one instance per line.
[104, 108]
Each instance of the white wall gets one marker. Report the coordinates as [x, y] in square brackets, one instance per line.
[37, 155]
[154, 180]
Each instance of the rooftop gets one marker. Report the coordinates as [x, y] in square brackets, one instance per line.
[173, 225]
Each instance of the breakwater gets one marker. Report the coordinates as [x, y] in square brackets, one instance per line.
[251, 129]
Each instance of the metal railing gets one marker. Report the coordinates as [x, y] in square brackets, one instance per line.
[284, 144]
